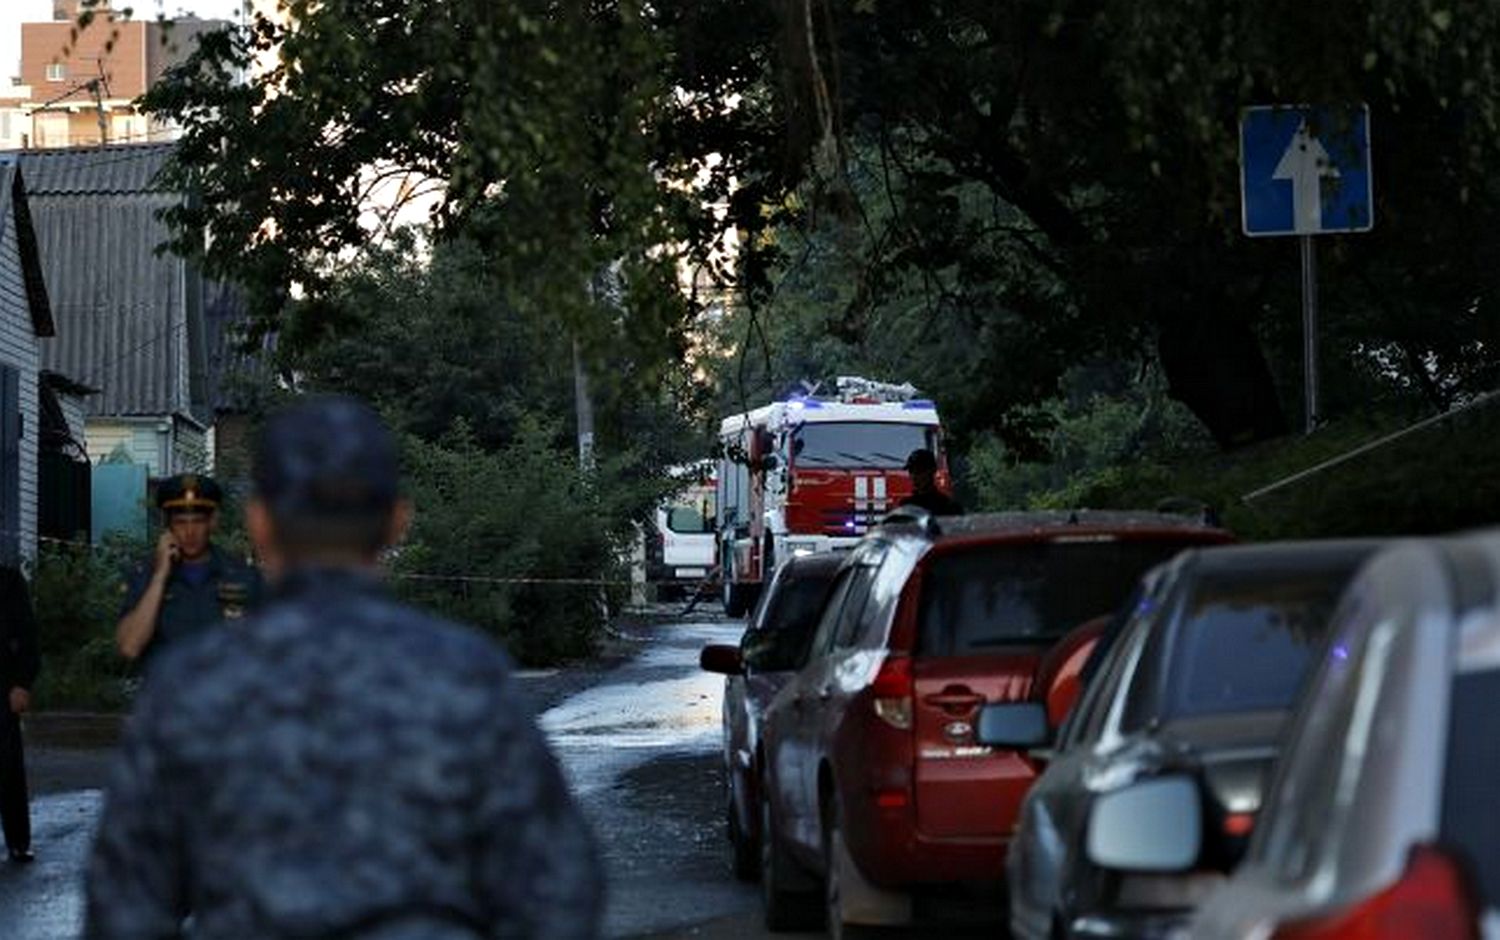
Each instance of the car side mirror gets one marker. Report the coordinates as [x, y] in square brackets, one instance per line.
[1153, 825]
[1015, 726]
[722, 659]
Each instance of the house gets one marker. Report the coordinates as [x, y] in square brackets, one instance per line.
[130, 318]
[25, 321]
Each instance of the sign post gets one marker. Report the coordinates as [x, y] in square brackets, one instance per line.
[1310, 331]
[1305, 171]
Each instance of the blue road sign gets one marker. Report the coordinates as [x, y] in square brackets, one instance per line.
[1305, 170]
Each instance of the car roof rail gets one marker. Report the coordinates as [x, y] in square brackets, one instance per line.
[913, 515]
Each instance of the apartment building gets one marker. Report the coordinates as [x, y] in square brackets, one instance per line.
[78, 88]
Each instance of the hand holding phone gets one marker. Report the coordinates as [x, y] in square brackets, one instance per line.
[167, 551]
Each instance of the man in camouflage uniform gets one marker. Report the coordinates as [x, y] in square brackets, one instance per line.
[189, 585]
[337, 764]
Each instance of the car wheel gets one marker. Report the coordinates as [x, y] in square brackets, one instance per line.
[736, 596]
[745, 851]
[835, 858]
[786, 908]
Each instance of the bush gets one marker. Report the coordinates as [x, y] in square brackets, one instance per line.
[524, 517]
[76, 591]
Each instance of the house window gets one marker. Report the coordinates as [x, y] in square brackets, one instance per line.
[57, 72]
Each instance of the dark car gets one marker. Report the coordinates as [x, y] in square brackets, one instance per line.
[1194, 690]
[1381, 821]
[774, 644]
[875, 787]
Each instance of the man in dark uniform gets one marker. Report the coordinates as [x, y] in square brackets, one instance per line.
[19, 664]
[922, 465]
[337, 764]
[189, 585]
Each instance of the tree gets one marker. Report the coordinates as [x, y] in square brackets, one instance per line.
[1054, 180]
[1106, 131]
[531, 126]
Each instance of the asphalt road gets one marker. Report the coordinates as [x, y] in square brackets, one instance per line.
[638, 736]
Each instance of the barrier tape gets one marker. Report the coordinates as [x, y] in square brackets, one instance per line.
[445, 578]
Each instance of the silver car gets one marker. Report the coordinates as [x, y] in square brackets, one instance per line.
[1383, 819]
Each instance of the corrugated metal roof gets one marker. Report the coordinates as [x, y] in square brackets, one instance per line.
[121, 309]
[142, 327]
[126, 168]
[233, 371]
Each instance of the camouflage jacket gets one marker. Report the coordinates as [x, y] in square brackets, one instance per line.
[338, 765]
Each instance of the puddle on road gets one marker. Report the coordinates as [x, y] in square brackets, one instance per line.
[602, 732]
[673, 714]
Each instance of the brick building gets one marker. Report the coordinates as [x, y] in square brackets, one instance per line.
[79, 91]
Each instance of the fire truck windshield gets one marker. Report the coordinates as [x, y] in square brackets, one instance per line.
[865, 444]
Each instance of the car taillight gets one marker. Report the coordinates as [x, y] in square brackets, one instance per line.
[1239, 825]
[1430, 901]
[893, 690]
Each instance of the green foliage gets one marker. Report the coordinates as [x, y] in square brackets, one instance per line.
[1432, 480]
[432, 339]
[76, 592]
[536, 127]
[1105, 436]
[521, 512]
[1052, 181]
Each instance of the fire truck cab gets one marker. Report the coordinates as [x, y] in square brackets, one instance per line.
[812, 474]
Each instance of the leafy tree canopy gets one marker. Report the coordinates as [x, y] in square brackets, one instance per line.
[1057, 178]
[1064, 172]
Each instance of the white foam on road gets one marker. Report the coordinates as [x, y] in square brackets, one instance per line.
[603, 732]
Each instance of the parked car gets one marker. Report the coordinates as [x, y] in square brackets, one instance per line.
[774, 644]
[1382, 822]
[1197, 687]
[874, 787]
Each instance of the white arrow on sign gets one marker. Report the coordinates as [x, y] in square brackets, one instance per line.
[1306, 164]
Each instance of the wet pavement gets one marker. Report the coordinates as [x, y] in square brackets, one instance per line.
[638, 734]
[638, 738]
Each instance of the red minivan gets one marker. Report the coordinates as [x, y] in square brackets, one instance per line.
[875, 789]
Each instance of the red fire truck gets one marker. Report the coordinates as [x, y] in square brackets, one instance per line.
[811, 474]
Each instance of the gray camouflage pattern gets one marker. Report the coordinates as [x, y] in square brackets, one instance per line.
[339, 765]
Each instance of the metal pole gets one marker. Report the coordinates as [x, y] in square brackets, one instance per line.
[1310, 330]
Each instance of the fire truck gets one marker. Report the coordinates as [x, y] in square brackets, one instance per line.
[811, 474]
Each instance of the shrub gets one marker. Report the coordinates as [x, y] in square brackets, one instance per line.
[497, 530]
[76, 591]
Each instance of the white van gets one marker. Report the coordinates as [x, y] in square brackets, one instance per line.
[681, 545]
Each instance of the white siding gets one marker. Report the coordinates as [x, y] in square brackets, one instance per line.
[164, 445]
[18, 347]
[142, 441]
[103, 437]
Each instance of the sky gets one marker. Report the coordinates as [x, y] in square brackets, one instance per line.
[15, 12]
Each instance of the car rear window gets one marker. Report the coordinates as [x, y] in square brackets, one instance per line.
[786, 626]
[1245, 642]
[1471, 778]
[1026, 593]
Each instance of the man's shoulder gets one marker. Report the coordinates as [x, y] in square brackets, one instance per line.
[282, 640]
[383, 625]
